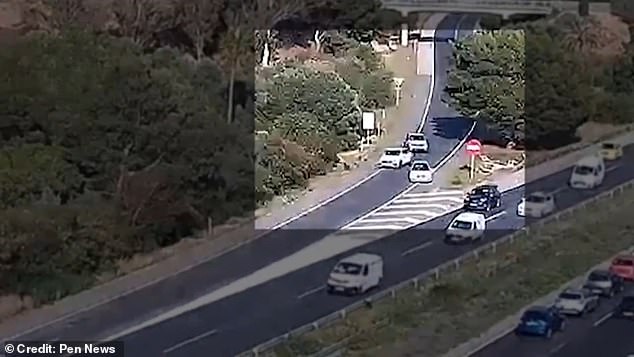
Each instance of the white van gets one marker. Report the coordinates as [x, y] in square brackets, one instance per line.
[356, 274]
[466, 226]
[587, 173]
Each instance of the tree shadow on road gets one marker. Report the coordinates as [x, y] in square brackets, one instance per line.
[451, 127]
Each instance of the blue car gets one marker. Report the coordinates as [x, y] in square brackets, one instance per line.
[540, 321]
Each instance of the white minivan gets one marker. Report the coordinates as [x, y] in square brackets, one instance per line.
[467, 226]
[356, 274]
[587, 173]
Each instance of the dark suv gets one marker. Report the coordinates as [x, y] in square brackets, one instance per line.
[483, 198]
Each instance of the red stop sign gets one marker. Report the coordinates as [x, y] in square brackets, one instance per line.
[474, 147]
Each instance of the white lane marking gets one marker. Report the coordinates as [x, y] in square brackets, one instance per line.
[392, 220]
[561, 189]
[393, 199]
[612, 168]
[603, 319]
[456, 31]
[311, 291]
[429, 199]
[436, 193]
[387, 227]
[410, 206]
[557, 348]
[407, 213]
[495, 216]
[188, 341]
[416, 248]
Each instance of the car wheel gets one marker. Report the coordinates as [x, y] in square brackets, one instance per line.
[611, 294]
[400, 164]
[549, 333]
[562, 326]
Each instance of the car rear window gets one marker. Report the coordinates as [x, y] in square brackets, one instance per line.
[417, 137]
[609, 146]
[392, 152]
[623, 262]
[570, 296]
[598, 277]
[420, 166]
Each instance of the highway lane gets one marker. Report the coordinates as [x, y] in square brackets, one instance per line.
[593, 335]
[209, 276]
[243, 320]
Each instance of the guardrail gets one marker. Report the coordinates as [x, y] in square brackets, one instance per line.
[420, 280]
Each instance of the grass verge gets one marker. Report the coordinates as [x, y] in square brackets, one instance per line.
[430, 321]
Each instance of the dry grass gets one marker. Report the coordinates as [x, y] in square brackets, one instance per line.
[456, 308]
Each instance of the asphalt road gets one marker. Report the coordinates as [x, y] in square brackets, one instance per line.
[241, 321]
[593, 335]
[443, 134]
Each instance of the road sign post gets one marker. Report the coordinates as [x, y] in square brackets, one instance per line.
[474, 148]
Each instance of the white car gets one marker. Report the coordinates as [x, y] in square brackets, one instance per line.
[421, 172]
[467, 226]
[417, 142]
[576, 301]
[588, 173]
[536, 205]
[395, 158]
[356, 274]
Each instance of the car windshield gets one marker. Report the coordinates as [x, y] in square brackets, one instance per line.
[624, 262]
[598, 277]
[534, 316]
[347, 268]
[609, 146]
[535, 199]
[417, 137]
[583, 170]
[570, 296]
[420, 166]
[392, 152]
[462, 225]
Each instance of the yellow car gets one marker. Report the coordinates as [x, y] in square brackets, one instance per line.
[611, 151]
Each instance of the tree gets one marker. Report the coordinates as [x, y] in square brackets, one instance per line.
[295, 90]
[200, 20]
[487, 77]
[63, 13]
[552, 93]
[266, 14]
[141, 20]
[584, 7]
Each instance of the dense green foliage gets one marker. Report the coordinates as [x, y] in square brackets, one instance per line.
[112, 145]
[108, 151]
[307, 116]
[543, 73]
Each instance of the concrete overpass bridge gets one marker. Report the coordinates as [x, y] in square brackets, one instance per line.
[505, 8]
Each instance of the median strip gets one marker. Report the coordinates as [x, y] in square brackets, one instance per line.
[431, 319]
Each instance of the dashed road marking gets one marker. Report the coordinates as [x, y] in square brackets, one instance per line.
[191, 340]
[417, 248]
[311, 292]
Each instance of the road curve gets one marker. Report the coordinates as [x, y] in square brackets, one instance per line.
[594, 335]
[241, 321]
[204, 278]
